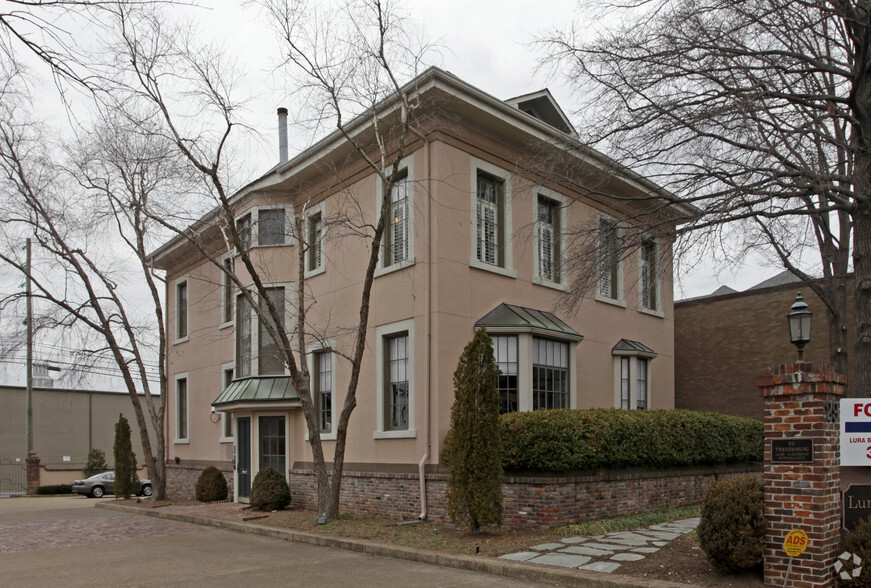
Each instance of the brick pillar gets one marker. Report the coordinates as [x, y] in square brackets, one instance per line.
[802, 475]
[32, 462]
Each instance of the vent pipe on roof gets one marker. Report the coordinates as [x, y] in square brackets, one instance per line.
[282, 135]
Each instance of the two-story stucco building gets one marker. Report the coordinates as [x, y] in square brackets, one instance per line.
[473, 241]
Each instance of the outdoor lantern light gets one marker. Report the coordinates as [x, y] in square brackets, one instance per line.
[799, 324]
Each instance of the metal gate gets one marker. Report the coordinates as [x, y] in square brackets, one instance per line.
[13, 475]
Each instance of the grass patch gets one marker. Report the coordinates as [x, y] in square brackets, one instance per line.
[630, 522]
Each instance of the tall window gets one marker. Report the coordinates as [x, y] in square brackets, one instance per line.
[323, 389]
[181, 408]
[396, 394]
[489, 219]
[548, 239]
[181, 310]
[243, 229]
[550, 374]
[647, 275]
[243, 337]
[314, 235]
[641, 387]
[505, 353]
[270, 226]
[609, 259]
[396, 233]
[226, 418]
[624, 383]
[227, 292]
[273, 447]
[268, 353]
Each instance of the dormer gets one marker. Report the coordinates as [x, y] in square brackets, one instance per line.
[542, 106]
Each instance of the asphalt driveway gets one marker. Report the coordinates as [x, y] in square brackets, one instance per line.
[51, 541]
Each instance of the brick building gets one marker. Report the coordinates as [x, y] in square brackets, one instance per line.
[724, 341]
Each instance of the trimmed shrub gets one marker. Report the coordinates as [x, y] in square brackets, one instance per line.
[55, 489]
[732, 527]
[858, 541]
[96, 463]
[126, 481]
[211, 485]
[473, 448]
[269, 490]
[601, 438]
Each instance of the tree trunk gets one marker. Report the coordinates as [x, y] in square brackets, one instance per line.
[861, 388]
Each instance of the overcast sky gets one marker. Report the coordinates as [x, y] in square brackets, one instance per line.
[487, 43]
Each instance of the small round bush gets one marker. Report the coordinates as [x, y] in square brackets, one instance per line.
[858, 541]
[270, 490]
[732, 527]
[211, 485]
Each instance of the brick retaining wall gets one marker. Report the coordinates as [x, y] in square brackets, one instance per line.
[529, 501]
[181, 479]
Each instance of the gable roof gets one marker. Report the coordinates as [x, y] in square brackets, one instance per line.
[542, 106]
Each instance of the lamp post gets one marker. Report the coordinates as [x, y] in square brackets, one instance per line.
[799, 324]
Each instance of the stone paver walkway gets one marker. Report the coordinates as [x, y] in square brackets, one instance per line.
[604, 553]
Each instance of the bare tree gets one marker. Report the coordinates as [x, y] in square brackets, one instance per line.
[112, 178]
[353, 74]
[757, 113]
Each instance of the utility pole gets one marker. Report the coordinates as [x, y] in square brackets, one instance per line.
[29, 400]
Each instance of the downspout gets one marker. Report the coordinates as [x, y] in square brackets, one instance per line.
[421, 466]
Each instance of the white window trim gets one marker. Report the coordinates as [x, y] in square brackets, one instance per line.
[317, 208]
[311, 349]
[536, 277]
[176, 439]
[185, 279]
[658, 311]
[233, 291]
[406, 165]
[255, 325]
[381, 333]
[254, 211]
[226, 415]
[507, 232]
[524, 364]
[633, 379]
[621, 298]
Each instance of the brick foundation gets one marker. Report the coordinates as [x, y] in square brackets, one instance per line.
[181, 479]
[799, 399]
[530, 502]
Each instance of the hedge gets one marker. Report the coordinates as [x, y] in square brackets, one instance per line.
[55, 489]
[603, 438]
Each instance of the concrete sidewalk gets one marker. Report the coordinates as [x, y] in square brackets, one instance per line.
[231, 516]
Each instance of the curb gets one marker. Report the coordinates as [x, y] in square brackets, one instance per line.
[496, 567]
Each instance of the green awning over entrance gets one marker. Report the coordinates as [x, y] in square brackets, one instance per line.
[507, 317]
[264, 389]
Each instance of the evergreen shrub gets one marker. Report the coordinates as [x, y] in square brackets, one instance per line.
[601, 438]
[211, 485]
[55, 489]
[126, 480]
[96, 463]
[732, 527]
[269, 490]
[473, 447]
[858, 541]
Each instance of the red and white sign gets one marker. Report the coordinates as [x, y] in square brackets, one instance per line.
[856, 431]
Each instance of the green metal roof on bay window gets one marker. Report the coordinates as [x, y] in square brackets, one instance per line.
[627, 347]
[263, 389]
[518, 319]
